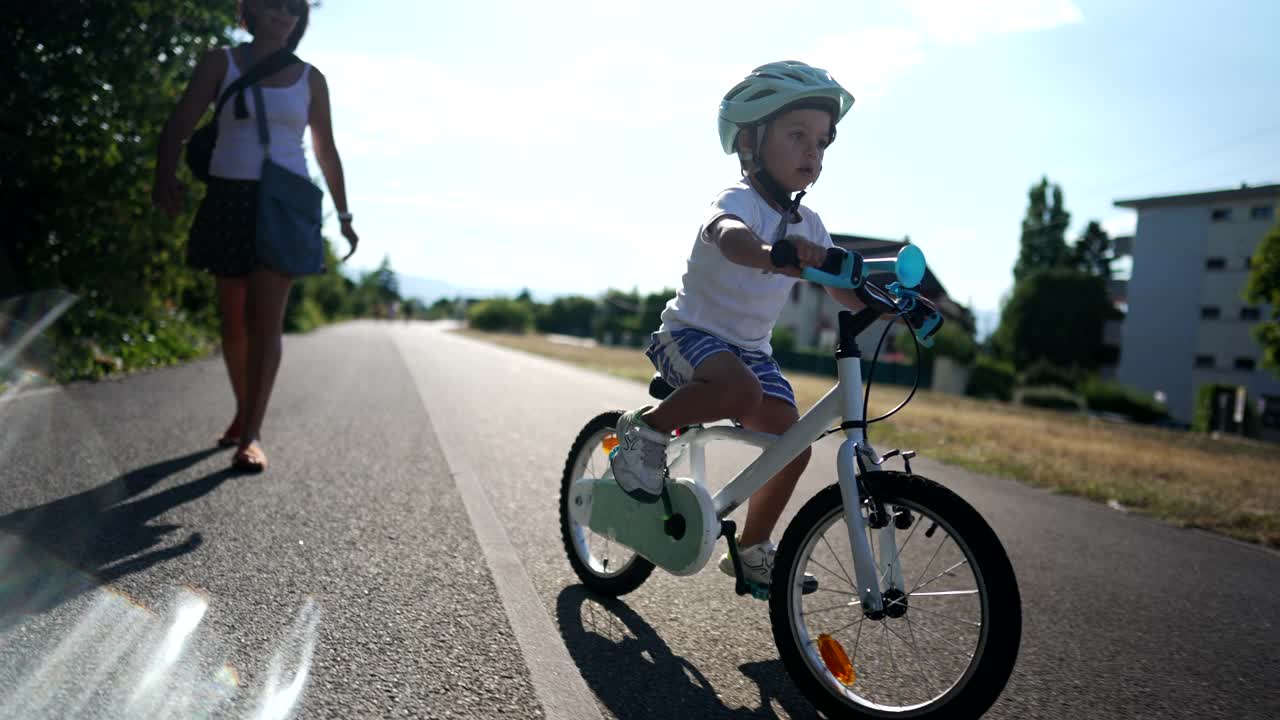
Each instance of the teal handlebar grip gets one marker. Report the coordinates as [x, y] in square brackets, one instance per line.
[843, 269]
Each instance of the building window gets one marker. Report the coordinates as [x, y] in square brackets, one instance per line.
[795, 293]
[1210, 312]
[1204, 361]
[1221, 214]
[1244, 363]
[1261, 212]
[1270, 411]
[1250, 313]
[1215, 263]
[1248, 262]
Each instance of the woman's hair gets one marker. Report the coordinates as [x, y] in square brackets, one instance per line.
[247, 21]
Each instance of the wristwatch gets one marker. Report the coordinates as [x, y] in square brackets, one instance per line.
[344, 217]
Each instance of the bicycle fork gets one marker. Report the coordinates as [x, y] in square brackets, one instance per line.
[868, 573]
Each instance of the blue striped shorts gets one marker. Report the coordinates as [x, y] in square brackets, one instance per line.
[677, 354]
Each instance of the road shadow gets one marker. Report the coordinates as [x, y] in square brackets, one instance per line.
[52, 553]
[634, 673]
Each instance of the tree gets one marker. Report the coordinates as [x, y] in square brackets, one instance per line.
[1264, 288]
[84, 91]
[1055, 315]
[1094, 251]
[1044, 231]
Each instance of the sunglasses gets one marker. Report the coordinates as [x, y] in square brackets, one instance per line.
[293, 7]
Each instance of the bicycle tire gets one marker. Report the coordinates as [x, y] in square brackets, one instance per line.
[637, 569]
[997, 641]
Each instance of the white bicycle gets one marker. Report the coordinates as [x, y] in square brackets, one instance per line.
[916, 613]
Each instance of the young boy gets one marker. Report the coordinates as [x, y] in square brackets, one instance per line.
[713, 345]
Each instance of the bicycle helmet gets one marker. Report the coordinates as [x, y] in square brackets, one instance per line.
[775, 87]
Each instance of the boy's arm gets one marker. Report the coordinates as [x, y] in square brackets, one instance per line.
[845, 297]
[740, 245]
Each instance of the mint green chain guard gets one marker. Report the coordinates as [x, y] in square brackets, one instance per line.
[639, 525]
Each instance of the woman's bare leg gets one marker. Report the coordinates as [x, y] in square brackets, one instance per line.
[232, 296]
[268, 295]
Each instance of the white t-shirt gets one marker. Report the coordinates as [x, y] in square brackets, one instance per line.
[736, 303]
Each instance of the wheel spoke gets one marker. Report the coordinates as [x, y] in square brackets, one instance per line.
[939, 576]
[916, 585]
[835, 555]
[824, 567]
[944, 592]
[948, 617]
[953, 645]
[806, 613]
[924, 675]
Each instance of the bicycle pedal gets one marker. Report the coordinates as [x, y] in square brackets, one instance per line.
[758, 591]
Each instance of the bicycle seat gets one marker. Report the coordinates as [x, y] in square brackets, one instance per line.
[658, 388]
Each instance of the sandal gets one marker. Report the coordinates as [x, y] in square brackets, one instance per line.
[249, 459]
[230, 438]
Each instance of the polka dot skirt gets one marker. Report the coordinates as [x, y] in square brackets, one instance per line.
[222, 234]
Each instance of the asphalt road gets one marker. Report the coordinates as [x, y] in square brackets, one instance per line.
[402, 557]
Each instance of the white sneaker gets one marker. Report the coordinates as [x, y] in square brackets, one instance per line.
[639, 461]
[757, 566]
[757, 563]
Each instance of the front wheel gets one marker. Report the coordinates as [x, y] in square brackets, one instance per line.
[947, 639]
[601, 564]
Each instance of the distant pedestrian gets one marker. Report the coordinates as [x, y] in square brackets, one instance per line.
[251, 297]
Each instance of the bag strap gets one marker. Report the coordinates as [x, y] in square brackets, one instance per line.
[269, 65]
[264, 135]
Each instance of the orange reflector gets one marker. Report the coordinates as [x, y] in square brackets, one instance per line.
[609, 443]
[836, 660]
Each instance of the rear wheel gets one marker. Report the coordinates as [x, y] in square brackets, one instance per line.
[948, 637]
[603, 565]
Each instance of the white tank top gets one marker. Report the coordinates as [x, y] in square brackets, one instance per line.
[237, 154]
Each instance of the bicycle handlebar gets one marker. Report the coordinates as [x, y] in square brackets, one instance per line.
[848, 270]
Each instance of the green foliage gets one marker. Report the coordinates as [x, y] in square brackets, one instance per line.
[631, 313]
[1044, 231]
[1054, 315]
[1043, 373]
[501, 315]
[85, 89]
[441, 309]
[1264, 288]
[1207, 416]
[572, 315]
[1110, 397]
[954, 342]
[783, 340]
[1094, 251]
[990, 378]
[1048, 398]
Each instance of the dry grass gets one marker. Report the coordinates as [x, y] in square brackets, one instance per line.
[1227, 485]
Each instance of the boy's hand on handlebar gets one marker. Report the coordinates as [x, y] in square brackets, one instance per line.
[807, 254]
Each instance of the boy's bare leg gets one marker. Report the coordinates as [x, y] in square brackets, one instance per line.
[722, 387]
[773, 416]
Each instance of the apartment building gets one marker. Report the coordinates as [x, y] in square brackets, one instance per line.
[1187, 322]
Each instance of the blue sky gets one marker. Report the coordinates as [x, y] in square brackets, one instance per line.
[571, 146]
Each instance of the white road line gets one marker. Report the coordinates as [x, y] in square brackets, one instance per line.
[560, 688]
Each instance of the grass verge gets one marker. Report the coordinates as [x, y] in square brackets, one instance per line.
[1226, 485]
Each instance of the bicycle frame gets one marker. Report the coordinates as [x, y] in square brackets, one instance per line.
[842, 402]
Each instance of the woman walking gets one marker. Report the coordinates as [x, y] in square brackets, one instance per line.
[251, 297]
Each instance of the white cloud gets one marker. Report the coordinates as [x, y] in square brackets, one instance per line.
[396, 103]
[868, 61]
[964, 21]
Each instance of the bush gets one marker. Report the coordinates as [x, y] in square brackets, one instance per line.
[1206, 417]
[1043, 373]
[990, 379]
[500, 316]
[953, 342]
[1049, 398]
[1102, 396]
[783, 340]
